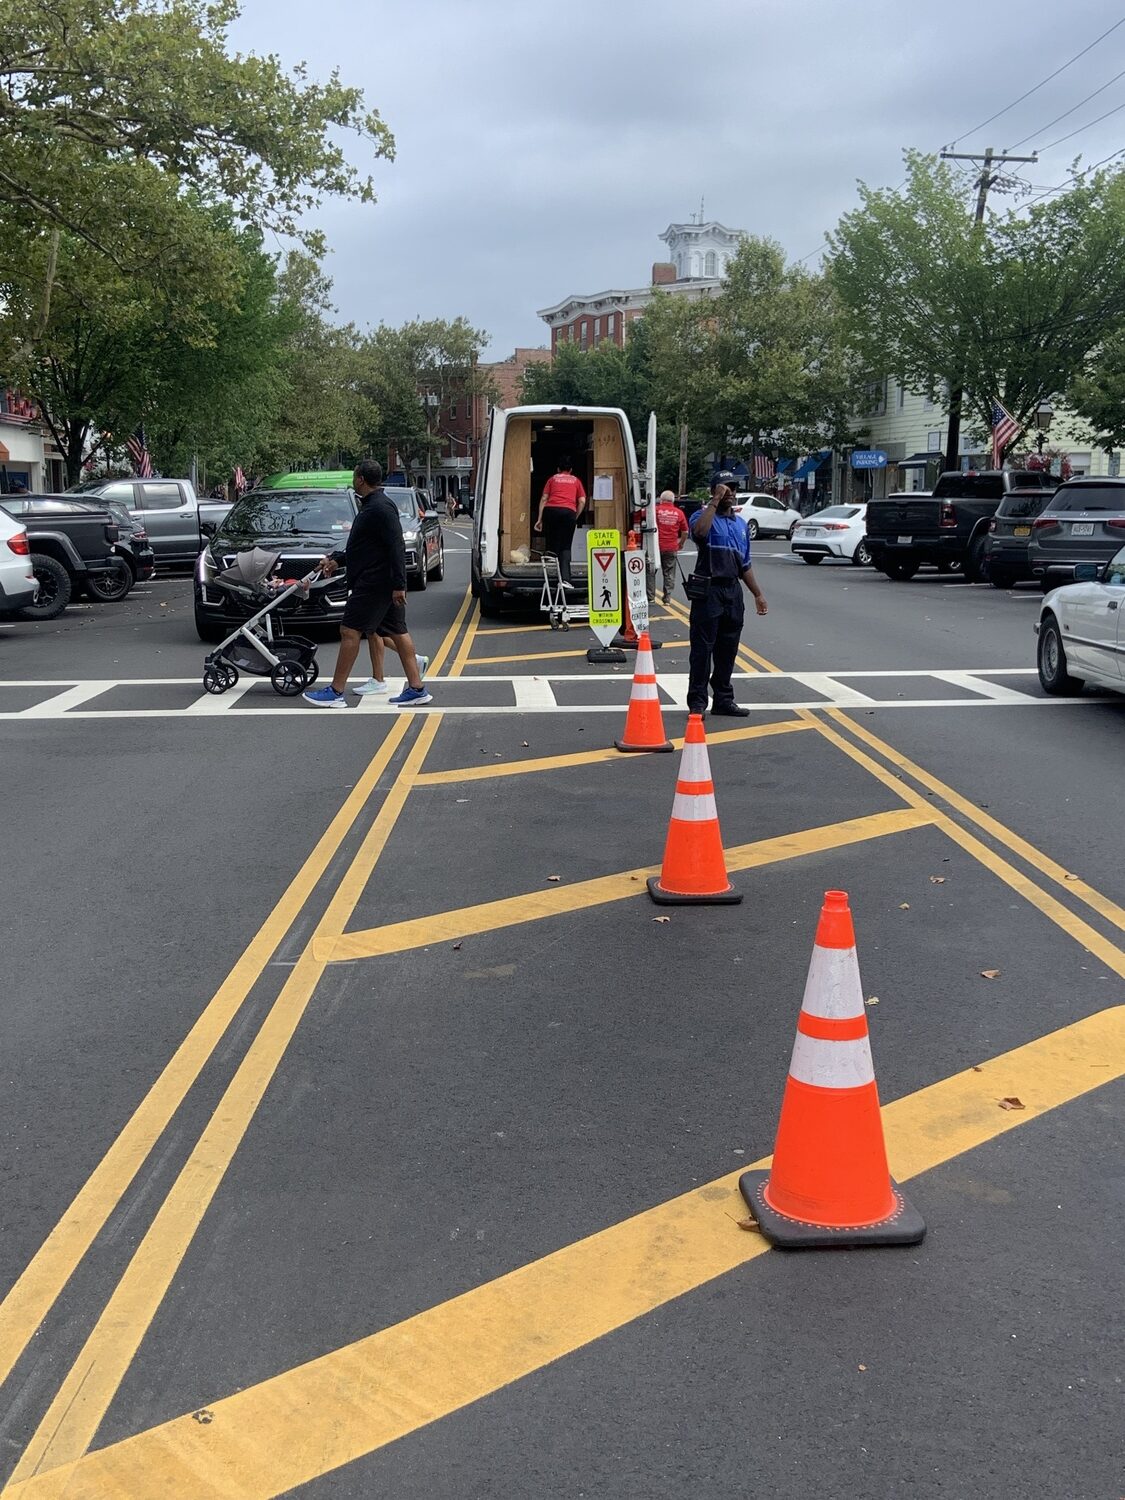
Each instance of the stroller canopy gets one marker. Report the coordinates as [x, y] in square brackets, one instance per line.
[249, 570]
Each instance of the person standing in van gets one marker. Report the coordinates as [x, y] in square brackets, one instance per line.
[560, 510]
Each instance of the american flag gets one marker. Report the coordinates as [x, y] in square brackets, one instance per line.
[138, 452]
[1005, 429]
[764, 467]
[240, 485]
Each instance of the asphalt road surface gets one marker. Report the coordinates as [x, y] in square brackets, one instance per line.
[365, 1134]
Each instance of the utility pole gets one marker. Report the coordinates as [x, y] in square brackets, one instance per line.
[683, 458]
[987, 180]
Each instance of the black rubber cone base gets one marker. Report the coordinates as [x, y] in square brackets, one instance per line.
[644, 749]
[671, 898]
[904, 1227]
[628, 645]
[603, 655]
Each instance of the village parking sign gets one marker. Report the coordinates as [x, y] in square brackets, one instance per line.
[869, 458]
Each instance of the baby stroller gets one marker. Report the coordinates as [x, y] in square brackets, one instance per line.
[289, 661]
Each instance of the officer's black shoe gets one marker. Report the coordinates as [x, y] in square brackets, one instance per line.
[730, 710]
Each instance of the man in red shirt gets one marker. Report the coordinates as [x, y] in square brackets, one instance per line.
[560, 510]
[671, 528]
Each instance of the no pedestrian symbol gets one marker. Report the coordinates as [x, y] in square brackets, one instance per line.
[603, 552]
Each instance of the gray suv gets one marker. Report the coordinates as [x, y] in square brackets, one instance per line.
[1084, 523]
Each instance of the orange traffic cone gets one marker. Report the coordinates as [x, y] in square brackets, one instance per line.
[644, 723]
[694, 872]
[829, 1184]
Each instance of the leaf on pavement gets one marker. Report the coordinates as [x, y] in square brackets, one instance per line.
[1012, 1103]
[861, 1367]
[751, 1224]
[937, 879]
[977, 1068]
[456, 947]
[555, 878]
[662, 919]
[904, 906]
[1072, 877]
[526, 744]
[990, 973]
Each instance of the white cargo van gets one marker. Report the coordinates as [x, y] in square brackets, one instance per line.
[520, 453]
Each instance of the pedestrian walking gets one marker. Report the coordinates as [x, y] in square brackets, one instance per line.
[671, 529]
[560, 510]
[722, 567]
[375, 558]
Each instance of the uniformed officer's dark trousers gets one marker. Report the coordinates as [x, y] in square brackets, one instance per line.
[716, 628]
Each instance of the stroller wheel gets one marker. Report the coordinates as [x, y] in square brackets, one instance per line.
[214, 680]
[289, 678]
[312, 672]
[231, 673]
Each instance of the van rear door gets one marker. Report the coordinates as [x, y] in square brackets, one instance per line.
[487, 518]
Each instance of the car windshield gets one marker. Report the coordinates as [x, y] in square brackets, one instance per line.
[1022, 507]
[404, 499]
[1090, 497]
[290, 513]
[832, 512]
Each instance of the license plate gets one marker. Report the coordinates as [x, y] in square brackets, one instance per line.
[905, 541]
[1021, 530]
[1082, 528]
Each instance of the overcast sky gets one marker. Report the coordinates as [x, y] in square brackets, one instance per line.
[542, 149]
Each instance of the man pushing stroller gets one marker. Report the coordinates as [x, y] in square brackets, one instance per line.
[375, 558]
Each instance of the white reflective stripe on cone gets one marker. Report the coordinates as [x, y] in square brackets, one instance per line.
[644, 690]
[833, 988]
[695, 808]
[645, 667]
[832, 1065]
[694, 765]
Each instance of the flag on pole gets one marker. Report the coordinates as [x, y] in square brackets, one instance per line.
[138, 452]
[1004, 429]
[240, 485]
[764, 467]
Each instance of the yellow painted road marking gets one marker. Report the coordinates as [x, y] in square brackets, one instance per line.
[466, 645]
[591, 757]
[290, 1430]
[561, 900]
[495, 661]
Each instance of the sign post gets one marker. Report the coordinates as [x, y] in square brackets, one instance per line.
[603, 571]
[636, 590]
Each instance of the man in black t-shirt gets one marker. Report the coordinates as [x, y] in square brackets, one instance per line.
[375, 559]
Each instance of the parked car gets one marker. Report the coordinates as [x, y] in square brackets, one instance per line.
[836, 531]
[18, 585]
[422, 533]
[176, 520]
[948, 527]
[1084, 522]
[301, 526]
[1081, 630]
[1009, 532]
[134, 549]
[766, 515]
[131, 549]
[72, 548]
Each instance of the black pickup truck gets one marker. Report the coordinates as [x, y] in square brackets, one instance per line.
[947, 527]
[72, 547]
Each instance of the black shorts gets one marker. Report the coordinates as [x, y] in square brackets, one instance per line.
[374, 614]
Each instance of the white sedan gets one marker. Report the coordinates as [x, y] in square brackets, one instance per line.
[836, 531]
[766, 515]
[1081, 630]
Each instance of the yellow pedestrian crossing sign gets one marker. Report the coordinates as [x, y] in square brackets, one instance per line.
[603, 559]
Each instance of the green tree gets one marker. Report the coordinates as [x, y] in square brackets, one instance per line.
[1014, 307]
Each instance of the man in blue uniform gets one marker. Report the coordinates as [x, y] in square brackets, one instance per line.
[716, 618]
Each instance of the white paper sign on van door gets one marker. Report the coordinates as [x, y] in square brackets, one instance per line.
[603, 554]
[636, 590]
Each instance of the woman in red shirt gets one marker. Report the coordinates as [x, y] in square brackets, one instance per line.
[560, 509]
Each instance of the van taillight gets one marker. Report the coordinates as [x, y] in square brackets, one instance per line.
[18, 544]
[948, 514]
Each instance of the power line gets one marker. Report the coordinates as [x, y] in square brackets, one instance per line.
[1042, 128]
[1074, 176]
[1087, 126]
[1040, 85]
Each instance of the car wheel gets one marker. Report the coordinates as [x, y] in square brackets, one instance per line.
[208, 631]
[1045, 585]
[862, 555]
[416, 582]
[812, 558]
[55, 589]
[792, 529]
[753, 528]
[490, 607]
[109, 588]
[901, 572]
[437, 572]
[1000, 577]
[1053, 672]
[976, 569]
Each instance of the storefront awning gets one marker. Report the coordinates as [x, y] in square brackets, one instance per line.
[4, 454]
[919, 460]
[809, 465]
[785, 463]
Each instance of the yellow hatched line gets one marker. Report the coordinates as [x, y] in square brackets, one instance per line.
[591, 757]
[561, 900]
[288, 1431]
[491, 661]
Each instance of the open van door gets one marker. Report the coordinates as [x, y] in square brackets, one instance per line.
[651, 540]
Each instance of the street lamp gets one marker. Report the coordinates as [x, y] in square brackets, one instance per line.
[429, 402]
[1043, 414]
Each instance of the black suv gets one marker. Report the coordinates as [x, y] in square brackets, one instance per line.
[948, 527]
[1084, 523]
[72, 547]
[1009, 532]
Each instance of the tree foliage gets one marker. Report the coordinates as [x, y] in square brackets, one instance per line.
[1014, 307]
[435, 358]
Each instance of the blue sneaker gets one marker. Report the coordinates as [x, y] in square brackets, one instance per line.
[325, 697]
[412, 698]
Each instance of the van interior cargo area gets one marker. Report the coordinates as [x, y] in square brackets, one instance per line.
[533, 447]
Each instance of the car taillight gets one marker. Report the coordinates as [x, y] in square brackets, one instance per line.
[18, 544]
[140, 535]
[948, 514]
[112, 533]
[833, 525]
[1118, 521]
[992, 524]
[1041, 521]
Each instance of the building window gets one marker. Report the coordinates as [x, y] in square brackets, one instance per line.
[597, 330]
[876, 397]
[933, 442]
[453, 411]
[1079, 464]
[1115, 465]
[709, 264]
[901, 396]
[585, 333]
[928, 403]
